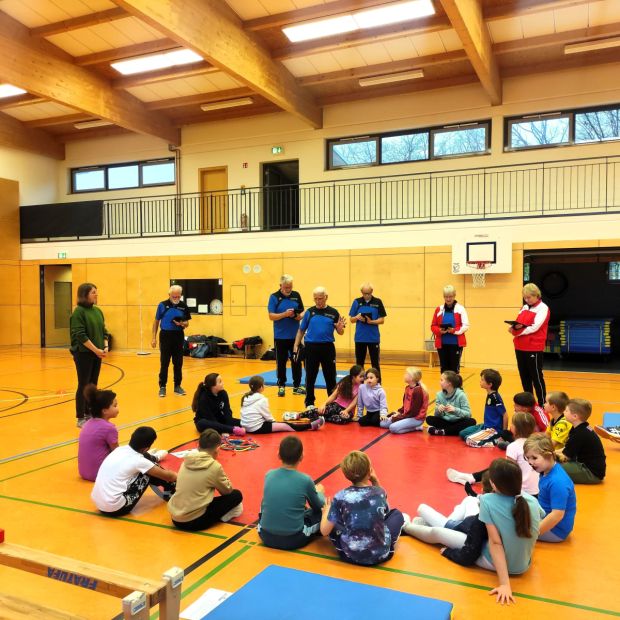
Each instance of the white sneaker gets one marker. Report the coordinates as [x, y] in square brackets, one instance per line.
[232, 513]
[159, 454]
[459, 477]
[406, 520]
[418, 521]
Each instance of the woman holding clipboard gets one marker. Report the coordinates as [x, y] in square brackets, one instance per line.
[530, 334]
[450, 322]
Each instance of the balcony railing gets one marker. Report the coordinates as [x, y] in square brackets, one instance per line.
[569, 187]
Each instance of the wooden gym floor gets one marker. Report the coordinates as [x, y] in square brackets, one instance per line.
[45, 505]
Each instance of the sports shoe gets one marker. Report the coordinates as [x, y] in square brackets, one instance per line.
[239, 431]
[433, 430]
[232, 513]
[311, 408]
[179, 390]
[501, 444]
[159, 454]
[162, 391]
[406, 520]
[315, 425]
[300, 390]
[281, 391]
[418, 521]
[459, 477]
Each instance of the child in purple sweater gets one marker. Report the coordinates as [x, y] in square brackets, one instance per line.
[371, 396]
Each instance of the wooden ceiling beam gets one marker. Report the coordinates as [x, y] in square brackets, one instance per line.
[191, 100]
[36, 66]
[15, 135]
[424, 25]
[213, 30]
[164, 75]
[65, 119]
[516, 8]
[77, 23]
[128, 51]
[466, 18]
[319, 11]
[20, 100]
[383, 68]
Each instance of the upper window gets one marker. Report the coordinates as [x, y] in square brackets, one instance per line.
[123, 176]
[563, 128]
[409, 146]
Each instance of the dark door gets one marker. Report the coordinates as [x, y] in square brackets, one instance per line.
[281, 195]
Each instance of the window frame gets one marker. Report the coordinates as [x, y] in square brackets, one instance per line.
[106, 170]
[378, 137]
[570, 113]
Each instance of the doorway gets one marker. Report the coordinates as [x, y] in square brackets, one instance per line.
[56, 305]
[281, 195]
[214, 199]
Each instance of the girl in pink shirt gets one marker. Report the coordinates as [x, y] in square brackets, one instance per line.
[342, 402]
[98, 436]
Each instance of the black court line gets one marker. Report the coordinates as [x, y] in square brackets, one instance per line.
[19, 404]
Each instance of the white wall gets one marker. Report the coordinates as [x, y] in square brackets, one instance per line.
[35, 174]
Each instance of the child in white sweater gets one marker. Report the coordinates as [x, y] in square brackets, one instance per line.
[257, 418]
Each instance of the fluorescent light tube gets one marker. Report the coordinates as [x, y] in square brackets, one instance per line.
[391, 77]
[8, 90]
[229, 103]
[370, 18]
[155, 62]
[90, 124]
[591, 46]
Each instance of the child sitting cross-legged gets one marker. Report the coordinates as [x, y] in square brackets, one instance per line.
[559, 426]
[285, 521]
[522, 426]
[358, 520]
[194, 505]
[341, 405]
[257, 418]
[583, 456]
[557, 491]
[410, 416]
[372, 398]
[452, 410]
[495, 416]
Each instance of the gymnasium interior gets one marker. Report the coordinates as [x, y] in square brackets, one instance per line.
[407, 144]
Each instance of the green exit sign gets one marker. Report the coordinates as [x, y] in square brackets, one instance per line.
[62, 255]
[276, 150]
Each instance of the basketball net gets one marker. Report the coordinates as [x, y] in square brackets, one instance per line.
[478, 276]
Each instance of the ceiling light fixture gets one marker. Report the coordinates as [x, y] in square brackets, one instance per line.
[370, 18]
[8, 90]
[229, 103]
[591, 46]
[391, 77]
[100, 122]
[154, 62]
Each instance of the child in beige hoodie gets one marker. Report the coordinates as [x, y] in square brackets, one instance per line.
[194, 506]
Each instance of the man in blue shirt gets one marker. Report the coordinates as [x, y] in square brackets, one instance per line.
[317, 329]
[172, 316]
[285, 310]
[367, 312]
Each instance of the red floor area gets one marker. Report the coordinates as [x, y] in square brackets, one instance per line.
[410, 467]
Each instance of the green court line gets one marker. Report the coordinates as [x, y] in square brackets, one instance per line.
[466, 584]
[98, 514]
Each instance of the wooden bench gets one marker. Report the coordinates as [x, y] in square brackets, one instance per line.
[14, 608]
[431, 358]
[138, 594]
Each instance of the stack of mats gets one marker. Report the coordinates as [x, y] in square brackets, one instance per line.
[586, 336]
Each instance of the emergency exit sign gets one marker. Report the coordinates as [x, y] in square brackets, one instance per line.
[62, 255]
[276, 150]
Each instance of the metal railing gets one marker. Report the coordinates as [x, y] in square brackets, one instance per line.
[568, 187]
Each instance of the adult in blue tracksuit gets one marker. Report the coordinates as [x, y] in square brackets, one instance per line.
[317, 329]
[367, 312]
[171, 319]
[285, 310]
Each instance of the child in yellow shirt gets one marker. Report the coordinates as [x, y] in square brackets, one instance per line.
[559, 426]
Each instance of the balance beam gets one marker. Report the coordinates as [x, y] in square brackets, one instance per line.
[138, 594]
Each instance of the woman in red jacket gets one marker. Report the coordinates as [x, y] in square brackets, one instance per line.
[530, 335]
[450, 322]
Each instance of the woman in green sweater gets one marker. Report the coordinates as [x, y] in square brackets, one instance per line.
[452, 410]
[89, 344]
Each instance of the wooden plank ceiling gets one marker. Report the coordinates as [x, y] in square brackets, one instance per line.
[60, 51]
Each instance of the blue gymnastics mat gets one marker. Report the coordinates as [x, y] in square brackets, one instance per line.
[271, 377]
[306, 596]
[609, 419]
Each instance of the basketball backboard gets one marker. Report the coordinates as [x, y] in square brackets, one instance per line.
[492, 248]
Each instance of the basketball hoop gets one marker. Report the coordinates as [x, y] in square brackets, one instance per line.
[478, 276]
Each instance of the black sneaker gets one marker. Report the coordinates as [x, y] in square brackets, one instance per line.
[433, 430]
[300, 389]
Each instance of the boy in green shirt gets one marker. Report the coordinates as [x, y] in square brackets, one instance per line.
[285, 522]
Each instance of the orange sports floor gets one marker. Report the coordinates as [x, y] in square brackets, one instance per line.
[45, 505]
